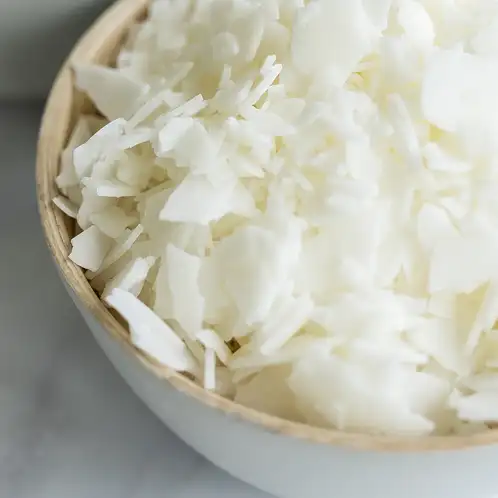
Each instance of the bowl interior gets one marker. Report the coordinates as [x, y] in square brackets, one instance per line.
[100, 45]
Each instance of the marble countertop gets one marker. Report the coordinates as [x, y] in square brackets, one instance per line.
[69, 425]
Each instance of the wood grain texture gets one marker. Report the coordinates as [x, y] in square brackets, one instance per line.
[100, 44]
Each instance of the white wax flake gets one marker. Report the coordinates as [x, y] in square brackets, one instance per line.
[286, 320]
[378, 12]
[134, 171]
[485, 42]
[224, 382]
[187, 301]
[115, 188]
[112, 221]
[178, 72]
[225, 46]
[122, 245]
[416, 22]
[470, 100]
[433, 225]
[74, 194]
[364, 396]
[362, 314]
[115, 94]
[462, 264]
[216, 298]
[163, 302]
[132, 278]
[332, 23]
[269, 392]
[255, 265]
[91, 203]
[437, 159]
[100, 147]
[171, 133]
[150, 334]
[211, 340]
[393, 350]
[189, 108]
[197, 200]
[89, 248]
[440, 339]
[269, 72]
[482, 382]
[66, 206]
[210, 370]
[165, 98]
[81, 134]
[404, 131]
[199, 150]
[442, 304]
[135, 137]
[249, 356]
[486, 316]
[479, 407]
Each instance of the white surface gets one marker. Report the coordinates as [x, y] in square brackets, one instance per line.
[69, 425]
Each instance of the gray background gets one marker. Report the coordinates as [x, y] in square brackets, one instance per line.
[69, 426]
[35, 36]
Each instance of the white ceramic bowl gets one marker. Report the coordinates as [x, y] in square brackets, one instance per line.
[287, 459]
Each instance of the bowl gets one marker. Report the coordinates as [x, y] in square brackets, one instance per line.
[287, 459]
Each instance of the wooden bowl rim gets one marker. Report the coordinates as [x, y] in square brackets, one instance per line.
[115, 20]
